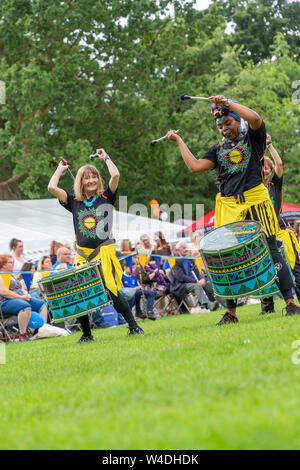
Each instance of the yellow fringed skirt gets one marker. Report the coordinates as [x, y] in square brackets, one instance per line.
[109, 261]
[256, 202]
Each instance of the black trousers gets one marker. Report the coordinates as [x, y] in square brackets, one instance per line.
[267, 304]
[120, 304]
[285, 282]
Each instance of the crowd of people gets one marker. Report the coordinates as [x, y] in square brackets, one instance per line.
[142, 284]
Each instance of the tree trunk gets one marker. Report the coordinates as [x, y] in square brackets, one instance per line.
[9, 193]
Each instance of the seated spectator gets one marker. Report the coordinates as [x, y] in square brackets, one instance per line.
[166, 266]
[125, 250]
[130, 281]
[162, 247]
[28, 266]
[160, 281]
[44, 264]
[297, 229]
[53, 250]
[146, 247]
[126, 247]
[16, 247]
[14, 301]
[183, 282]
[193, 247]
[72, 255]
[63, 256]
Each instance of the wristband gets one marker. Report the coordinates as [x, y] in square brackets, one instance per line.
[268, 144]
[227, 101]
[106, 158]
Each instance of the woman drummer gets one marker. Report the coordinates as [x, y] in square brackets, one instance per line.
[92, 210]
[239, 160]
[274, 185]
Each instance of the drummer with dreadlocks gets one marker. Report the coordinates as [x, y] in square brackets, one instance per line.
[238, 159]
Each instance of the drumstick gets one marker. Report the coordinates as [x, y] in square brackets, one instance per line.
[153, 142]
[187, 97]
[65, 163]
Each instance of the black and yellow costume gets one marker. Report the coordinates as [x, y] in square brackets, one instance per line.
[243, 195]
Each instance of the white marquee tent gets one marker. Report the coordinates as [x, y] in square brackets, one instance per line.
[38, 222]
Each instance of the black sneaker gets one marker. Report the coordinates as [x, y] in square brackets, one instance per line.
[266, 312]
[141, 315]
[85, 339]
[135, 330]
[292, 309]
[227, 318]
[151, 316]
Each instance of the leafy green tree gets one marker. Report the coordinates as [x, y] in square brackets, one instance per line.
[254, 23]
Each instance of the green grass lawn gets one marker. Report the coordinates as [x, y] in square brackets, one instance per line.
[186, 384]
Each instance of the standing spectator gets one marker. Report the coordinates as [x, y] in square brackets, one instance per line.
[17, 247]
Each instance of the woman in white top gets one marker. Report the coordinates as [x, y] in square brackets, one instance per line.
[44, 264]
[16, 246]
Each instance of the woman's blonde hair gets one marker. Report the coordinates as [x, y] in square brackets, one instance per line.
[41, 262]
[125, 245]
[269, 162]
[78, 185]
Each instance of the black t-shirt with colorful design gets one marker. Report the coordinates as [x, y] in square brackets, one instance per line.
[92, 221]
[275, 192]
[239, 162]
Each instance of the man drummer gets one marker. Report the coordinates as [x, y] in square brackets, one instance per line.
[92, 207]
[243, 196]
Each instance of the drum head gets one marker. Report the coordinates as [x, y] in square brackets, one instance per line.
[230, 235]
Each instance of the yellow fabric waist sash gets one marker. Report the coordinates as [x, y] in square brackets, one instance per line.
[289, 242]
[229, 210]
[107, 256]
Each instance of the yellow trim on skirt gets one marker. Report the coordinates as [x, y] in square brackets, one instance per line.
[228, 210]
[289, 239]
[107, 256]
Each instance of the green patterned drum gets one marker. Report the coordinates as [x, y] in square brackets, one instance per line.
[273, 288]
[74, 292]
[237, 260]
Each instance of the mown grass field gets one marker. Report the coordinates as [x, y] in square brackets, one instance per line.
[186, 384]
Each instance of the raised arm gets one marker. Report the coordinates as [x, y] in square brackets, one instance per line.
[53, 183]
[194, 165]
[113, 170]
[253, 119]
[275, 155]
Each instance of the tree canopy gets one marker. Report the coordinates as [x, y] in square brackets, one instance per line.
[84, 74]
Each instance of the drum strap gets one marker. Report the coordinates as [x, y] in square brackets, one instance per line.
[95, 252]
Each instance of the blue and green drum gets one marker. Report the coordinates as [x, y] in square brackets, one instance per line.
[74, 292]
[237, 260]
